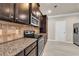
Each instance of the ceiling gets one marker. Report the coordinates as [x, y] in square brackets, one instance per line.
[59, 8]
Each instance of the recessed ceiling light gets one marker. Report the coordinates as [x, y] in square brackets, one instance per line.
[49, 11]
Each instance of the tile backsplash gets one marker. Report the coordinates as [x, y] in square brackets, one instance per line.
[12, 31]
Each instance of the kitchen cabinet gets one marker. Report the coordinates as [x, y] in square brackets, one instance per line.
[31, 50]
[7, 11]
[43, 24]
[36, 48]
[35, 10]
[35, 14]
[22, 13]
[27, 13]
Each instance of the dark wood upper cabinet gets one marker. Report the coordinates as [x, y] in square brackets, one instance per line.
[7, 11]
[35, 10]
[43, 24]
[35, 14]
[22, 13]
[25, 13]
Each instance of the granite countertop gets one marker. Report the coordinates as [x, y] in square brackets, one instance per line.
[43, 34]
[14, 47]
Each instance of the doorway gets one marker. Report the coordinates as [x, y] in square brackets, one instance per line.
[60, 30]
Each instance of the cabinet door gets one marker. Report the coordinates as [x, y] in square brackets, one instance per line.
[35, 10]
[43, 24]
[35, 14]
[33, 52]
[28, 49]
[7, 11]
[40, 46]
[22, 13]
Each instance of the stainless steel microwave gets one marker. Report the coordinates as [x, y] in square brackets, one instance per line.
[35, 21]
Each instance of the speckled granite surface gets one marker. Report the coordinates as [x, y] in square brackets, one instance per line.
[14, 47]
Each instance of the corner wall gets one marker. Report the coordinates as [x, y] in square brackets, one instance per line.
[70, 20]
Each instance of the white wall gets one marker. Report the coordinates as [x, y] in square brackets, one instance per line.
[70, 20]
[51, 29]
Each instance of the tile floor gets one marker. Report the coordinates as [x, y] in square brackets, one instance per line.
[54, 48]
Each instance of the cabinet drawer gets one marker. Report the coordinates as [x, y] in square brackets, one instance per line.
[33, 52]
[28, 49]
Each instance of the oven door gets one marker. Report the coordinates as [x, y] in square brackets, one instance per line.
[40, 46]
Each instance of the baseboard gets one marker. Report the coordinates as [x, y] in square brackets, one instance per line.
[61, 41]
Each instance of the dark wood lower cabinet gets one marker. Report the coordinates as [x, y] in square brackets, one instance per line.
[30, 48]
[29, 51]
[33, 52]
[35, 49]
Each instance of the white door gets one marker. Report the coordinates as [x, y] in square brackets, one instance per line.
[60, 33]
